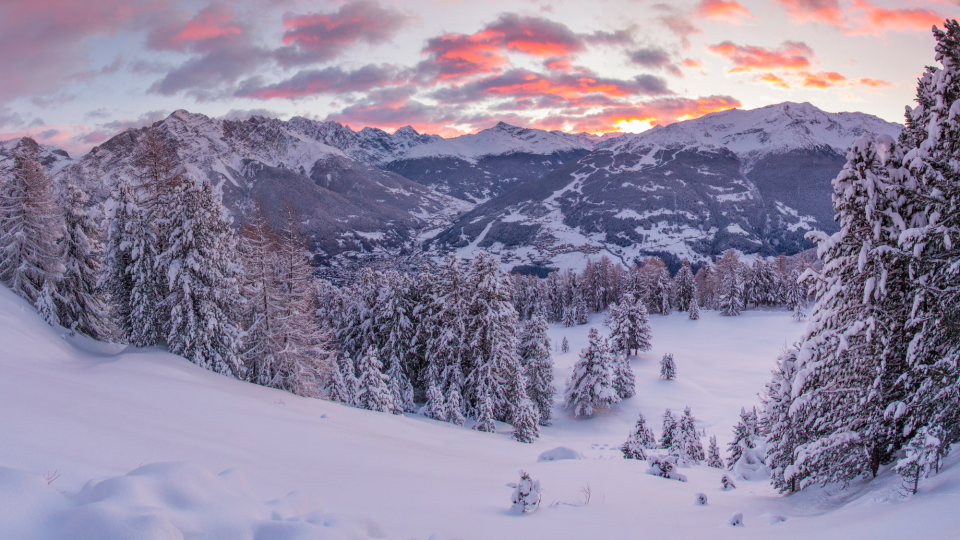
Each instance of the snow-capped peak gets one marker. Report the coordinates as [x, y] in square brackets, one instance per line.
[751, 134]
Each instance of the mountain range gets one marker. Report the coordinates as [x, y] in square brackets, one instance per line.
[755, 180]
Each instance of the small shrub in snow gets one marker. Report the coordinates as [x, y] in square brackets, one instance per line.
[526, 494]
[701, 499]
[664, 467]
[668, 369]
[736, 520]
[713, 454]
[798, 313]
[726, 483]
[922, 457]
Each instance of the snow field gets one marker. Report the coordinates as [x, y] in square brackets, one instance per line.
[89, 411]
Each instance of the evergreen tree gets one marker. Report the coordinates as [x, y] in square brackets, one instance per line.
[200, 267]
[485, 416]
[580, 312]
[526, 422]
[640, 438]
[435, 407]
[732, 299]
[744, 436]
[692, 443]
[338, 390]
[694, 308]
[526, 495]
[623, 380]
[565, 345]
[930, 228]
[763, 283]
[713, 454]
[668, 369]
[629, 326]
[853, 355]
[374, 394]
[401, 391]
[686, 289]
[81, 305]
[492, 341]
[30, 228]
[669, 432]
[539, 368]
[453, 405]
[591, 385]
[441, 339]
[783, 433]
[130, 269]
[349, 371]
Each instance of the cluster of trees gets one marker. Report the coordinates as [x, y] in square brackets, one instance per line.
[680, 438]
[876, 372]
[448, 337]
[173, 270]
[729, 286]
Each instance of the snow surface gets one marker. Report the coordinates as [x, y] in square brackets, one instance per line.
[150, 446]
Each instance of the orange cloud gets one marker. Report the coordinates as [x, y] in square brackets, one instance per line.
[724, 10]
[791, 55]
[879, 20]
[818, 11]
[691, 63]
[774, 80]
[656, 112]
[819, 80]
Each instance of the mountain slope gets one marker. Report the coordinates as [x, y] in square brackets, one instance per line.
[753, 180]
[347, 206]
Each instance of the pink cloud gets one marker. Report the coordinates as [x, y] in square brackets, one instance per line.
[790, 55]
[724, 10]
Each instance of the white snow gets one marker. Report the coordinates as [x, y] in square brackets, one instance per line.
[149, 446]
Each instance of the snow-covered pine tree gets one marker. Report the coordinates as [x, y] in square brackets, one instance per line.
[526, 422]
[338, 390]
[669, 432]
[852, 359]
[744, 435]
[624, 382]
[763, 283]
[580, 309]
[374, 394]
[930, 232]
[688, 431]
[569, 316]
[694, 308]
[454, 415]
[564, 345]
[661, 287]
[783, 433]
[81, 304]
[713, 454]
[526, 495]
[400, 388]
[732, 288]
[435, 407]
[591, 386]
[200, 267]
[440, 339]
[491, 338]
[485, 416]
[668, 368]
[349, 370]
[46, 304]
[640, 439]
[629, 326]
[130, 269]
[31, 227]
[535, 353]
[684, 287]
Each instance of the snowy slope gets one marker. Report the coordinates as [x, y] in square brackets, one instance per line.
[52, 158]
[116, 419]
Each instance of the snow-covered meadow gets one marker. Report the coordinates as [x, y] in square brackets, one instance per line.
[258, 463]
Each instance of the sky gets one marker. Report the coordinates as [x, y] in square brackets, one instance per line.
[73, 73]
